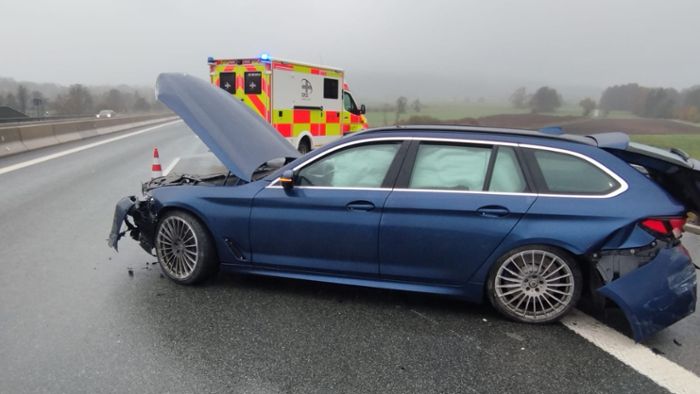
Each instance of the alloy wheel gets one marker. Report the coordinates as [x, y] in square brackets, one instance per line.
[535, 285]
[177, 247]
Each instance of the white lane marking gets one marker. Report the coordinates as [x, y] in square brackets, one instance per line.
[171, 166]
[42, 159]
[661, 370]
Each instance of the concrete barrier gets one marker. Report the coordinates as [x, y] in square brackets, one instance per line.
[692, 228]
[21, 138]
[39, 136]
[66, 132]
[11, 142]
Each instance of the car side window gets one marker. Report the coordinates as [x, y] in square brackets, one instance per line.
[567, 174]
[359, 166]
[450, 167]
[349, 103]
[507, 177]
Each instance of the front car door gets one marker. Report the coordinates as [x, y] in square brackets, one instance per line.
[329, 220]
[453, 204]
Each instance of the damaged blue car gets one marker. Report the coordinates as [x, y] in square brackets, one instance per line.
[529, 221]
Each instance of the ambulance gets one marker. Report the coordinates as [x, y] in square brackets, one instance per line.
[310, 105]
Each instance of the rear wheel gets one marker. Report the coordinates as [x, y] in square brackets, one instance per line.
[185, 250]
[535, 284]
[304, 146]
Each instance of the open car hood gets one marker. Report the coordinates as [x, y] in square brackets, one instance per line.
[673, 170]
[239, 137]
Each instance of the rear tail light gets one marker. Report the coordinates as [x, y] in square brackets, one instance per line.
[665, 227]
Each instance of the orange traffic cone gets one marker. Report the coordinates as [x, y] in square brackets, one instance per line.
[156, 170]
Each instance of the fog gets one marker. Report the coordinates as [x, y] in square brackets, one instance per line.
[431, 49]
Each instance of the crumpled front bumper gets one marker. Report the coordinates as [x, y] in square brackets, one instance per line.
[142, 211]
[120, 211]
[657, 294]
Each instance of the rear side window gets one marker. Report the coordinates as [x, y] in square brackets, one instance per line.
[507, 176]
[450, 167]
[330, 88]
[252, 82]
[567, 174]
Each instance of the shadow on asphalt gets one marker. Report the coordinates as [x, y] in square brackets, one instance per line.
[346, 293]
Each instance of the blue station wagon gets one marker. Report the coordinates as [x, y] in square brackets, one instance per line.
[528, 221]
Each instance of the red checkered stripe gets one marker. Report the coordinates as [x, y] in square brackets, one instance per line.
[293, 122]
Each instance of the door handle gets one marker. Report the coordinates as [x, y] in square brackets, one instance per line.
[360, 206]
[493, 211]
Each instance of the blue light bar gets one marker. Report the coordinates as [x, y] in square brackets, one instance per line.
[265, 56]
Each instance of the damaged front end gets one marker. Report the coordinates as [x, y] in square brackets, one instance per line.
[144, 210]
[141, 227]
[654, 285]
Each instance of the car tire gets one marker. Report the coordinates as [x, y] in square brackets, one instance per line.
[304, 146]
[185, 250]
[535, 284]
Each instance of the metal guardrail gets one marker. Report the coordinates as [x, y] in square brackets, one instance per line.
[43, 118]
[30, 119]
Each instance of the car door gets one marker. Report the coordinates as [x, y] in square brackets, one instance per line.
[452, 206]
[329, 220]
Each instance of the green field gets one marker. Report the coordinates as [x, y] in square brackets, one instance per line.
[457, 111]
[689, 143]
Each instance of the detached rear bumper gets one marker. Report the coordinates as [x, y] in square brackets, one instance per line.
[657, 294]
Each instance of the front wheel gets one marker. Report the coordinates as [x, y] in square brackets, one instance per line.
[535, 284]
[185, 250]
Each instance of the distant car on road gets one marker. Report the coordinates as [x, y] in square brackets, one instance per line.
[526, 220]
[106, 113]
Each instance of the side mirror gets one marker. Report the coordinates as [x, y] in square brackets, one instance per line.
[363, 109]
[287, 180]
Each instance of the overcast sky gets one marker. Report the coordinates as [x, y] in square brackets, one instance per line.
[398, 46]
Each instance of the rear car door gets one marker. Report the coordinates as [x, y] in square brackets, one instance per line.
[329, 220]
[453, 205]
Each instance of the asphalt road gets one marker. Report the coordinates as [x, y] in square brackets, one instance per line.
[73, 318]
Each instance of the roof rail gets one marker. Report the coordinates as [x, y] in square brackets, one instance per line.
[588, 140]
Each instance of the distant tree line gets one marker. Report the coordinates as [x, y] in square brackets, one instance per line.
[400, 107]
[653, 102]
[545, 99]
[78, 99]
[639, 100]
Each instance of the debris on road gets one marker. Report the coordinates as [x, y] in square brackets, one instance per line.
[657, 351]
